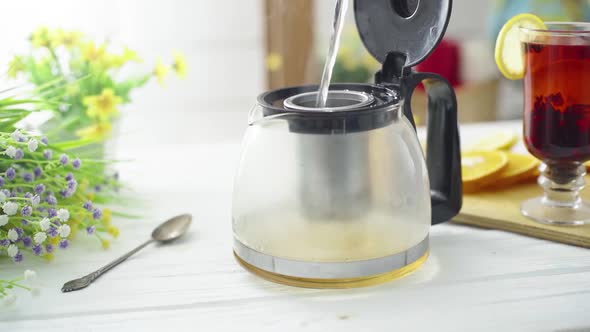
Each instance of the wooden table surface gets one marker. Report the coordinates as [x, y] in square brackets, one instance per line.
[474, 280]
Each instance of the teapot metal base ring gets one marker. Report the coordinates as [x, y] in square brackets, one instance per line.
[332, 274]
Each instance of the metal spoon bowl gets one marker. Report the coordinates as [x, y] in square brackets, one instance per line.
[166, 232]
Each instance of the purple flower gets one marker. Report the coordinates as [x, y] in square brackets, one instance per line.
[38, 172]
[66, 193]
[27, 241]
[19, 231]
[40, 188]
[49, 248]
[51, 212]
[19, 190]
[88, 205]
[10, 173]
[19, 154]
[28, 177]
[51, 200]
[97, 213]
[4, 242]
[63, 159]
[24, 222]
[47, 154]
[76, 163]
[37, 249]
[72, 185]
[63, 244]
[44, 140]
[28, 195]
[97, 188]
[52, 231]
[69, 176]
[1, 182]
[18, 258]
[90, 229]
[26, 211]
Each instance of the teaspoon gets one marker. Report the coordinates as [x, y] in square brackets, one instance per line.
[168, 231]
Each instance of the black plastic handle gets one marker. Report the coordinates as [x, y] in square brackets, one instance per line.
[443, 154]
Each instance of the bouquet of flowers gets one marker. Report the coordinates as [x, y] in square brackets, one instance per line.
[49, 190]
[86, 77]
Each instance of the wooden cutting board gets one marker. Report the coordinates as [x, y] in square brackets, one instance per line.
[501, 210]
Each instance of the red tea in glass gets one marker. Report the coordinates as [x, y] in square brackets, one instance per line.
[557, 100]
[557, 119]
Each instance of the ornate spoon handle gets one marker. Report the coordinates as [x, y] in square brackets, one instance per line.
[86, 280]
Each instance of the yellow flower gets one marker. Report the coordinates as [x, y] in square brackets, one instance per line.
[40, 37]
[161, 71]
[55, 37]
[71, 39]
[274, 61]
[130, 55]
[114, 231]
[116, 61]
[93, 54]
[107, 216]
[105, 243]
[15, 67]
[96, 131]
[102, 106]
[48, 256]
[53, 240]
[179, 64]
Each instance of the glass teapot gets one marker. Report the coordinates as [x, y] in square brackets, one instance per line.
[342, 196]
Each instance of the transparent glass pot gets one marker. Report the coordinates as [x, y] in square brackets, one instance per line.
[342, 197]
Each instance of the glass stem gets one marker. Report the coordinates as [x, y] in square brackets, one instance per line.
[562, 183]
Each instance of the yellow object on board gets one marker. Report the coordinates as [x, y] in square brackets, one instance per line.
[479, 168]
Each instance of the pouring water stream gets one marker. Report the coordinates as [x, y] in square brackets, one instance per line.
[339, 16]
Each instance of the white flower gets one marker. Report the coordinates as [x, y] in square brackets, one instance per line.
[3, 220]
[17, 136]
[2, 196]
[12, 235]
[30, 275]
[64, 230]
[33, 145]
[44, 224]
[63, 214]
[10, 151]
[10, 208]
[12, 250]
[35, 200]
[9, 299]
[40, 237]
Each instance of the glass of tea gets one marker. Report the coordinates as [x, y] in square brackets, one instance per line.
[557, 118]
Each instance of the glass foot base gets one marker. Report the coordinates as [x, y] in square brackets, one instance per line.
[542, 212]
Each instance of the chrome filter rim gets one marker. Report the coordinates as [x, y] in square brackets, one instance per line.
[354, 100]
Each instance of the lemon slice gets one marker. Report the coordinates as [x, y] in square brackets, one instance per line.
[508, 52]
[496, 141]
[479, 168]
[520, 168]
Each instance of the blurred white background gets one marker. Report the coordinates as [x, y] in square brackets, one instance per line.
[223, 41]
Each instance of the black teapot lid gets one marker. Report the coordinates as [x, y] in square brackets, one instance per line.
[410, 27]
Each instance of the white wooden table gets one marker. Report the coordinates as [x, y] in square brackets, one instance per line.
[474, 280]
